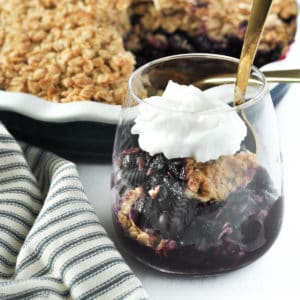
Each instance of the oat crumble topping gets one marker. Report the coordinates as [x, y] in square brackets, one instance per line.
[144, 237]
[215, 180]
[64, 50]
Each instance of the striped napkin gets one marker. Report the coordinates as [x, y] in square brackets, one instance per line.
[52, 245]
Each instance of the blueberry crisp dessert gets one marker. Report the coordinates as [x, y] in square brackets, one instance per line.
[194, 203]
[164, 27]
[74, 50]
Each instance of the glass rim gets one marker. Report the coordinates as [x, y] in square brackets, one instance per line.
[248, 103]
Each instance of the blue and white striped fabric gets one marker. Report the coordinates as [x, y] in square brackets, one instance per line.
[52, 245]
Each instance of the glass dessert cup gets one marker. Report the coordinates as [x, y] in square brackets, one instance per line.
[202, 214]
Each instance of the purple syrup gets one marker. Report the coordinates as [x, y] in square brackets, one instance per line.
[222, 256]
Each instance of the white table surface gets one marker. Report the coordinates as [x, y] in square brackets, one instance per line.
[274, 276]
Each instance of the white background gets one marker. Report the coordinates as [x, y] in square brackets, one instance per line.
[275, 275]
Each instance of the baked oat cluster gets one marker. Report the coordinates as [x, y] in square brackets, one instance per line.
[216, 179]
[146, 236]
[71, 50]
[64, 50]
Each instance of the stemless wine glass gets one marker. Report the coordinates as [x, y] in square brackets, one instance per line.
[185, 216]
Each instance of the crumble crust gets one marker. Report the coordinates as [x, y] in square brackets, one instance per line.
[216, 179]
[65, 50]
[72, 50]
[143, 237]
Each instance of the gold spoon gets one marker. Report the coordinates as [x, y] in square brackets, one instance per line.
[280, 76]
[258, 15]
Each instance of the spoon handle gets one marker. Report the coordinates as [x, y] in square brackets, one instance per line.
[258, 15]
[280, 76]
[283, 76]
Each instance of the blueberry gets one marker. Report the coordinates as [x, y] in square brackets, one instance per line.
[250, 230]
[174, 186]
[202, 44]
[176, 168]
[134, 159]
[154, 180]
[135, 19]
[243, 24]
[261, 182]
[158, 43]
[158, 162]
[179, 43]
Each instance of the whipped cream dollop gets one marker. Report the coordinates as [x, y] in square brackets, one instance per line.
[185, 122]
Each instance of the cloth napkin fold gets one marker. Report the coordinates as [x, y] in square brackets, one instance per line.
[52, 245]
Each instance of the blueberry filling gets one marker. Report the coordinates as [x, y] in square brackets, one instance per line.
[181, 234]
[160, 43]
